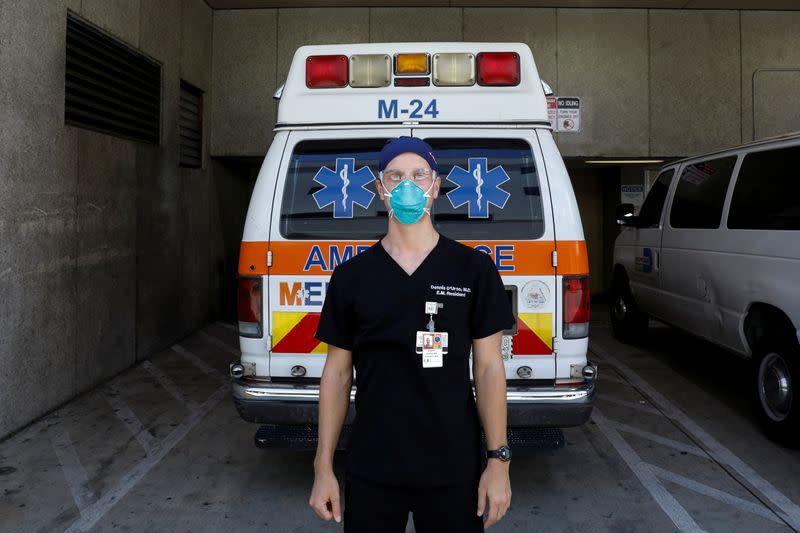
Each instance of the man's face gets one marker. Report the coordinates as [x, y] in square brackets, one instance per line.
[408, 166]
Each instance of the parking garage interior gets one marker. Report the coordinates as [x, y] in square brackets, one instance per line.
[119, 242]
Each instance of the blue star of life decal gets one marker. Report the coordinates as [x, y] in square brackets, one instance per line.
[478, 187]
[344, 187]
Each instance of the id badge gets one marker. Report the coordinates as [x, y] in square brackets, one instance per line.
[432, 345]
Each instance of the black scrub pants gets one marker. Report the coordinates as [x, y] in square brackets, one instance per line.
[375, 508]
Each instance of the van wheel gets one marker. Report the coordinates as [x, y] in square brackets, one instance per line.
[777, 377]
[628, 323]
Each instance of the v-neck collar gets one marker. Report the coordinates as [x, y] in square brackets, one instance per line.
[422, 263]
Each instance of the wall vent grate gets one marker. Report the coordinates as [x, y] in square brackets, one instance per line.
[191, 126]
[110, 87]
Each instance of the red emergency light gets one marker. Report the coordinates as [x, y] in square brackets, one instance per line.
[325, 72]
[498, 68]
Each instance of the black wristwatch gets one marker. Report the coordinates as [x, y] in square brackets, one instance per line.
[503, 453]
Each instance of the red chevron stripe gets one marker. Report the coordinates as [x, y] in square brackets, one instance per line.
[301, 338]
[527, 342]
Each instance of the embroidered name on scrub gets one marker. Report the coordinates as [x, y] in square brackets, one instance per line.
[449, 290]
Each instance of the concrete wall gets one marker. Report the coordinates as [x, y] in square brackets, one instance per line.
[105, 254]
[653, 82]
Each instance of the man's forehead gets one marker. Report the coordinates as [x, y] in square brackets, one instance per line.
[408, 160]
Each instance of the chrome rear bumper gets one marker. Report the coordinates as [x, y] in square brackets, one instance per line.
[265, 402]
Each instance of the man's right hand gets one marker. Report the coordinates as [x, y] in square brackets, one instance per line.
[325, 496]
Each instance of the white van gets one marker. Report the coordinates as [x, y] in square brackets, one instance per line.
[715, 251]
[505, 191]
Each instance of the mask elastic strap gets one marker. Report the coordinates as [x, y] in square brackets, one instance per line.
[386, 193]
[433, 182]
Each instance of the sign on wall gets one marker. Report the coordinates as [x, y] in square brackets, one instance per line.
[564, 113]
[632, 194]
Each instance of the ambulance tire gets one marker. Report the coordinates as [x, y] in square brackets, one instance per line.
[776, 381]
[628, 323]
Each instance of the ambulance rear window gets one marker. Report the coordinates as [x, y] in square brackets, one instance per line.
[490, 190]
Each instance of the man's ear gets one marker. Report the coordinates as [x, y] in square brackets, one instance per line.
[379, 187]
[437, 185]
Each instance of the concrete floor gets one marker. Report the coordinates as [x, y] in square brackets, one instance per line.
[672, 445]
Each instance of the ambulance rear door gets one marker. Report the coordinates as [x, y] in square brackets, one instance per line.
[326, 210]
[494, 196]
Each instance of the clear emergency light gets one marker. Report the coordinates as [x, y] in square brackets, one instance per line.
[453, 69]
[498, 69]
[370, 70]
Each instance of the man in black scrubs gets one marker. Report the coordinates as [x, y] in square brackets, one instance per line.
[405, 313]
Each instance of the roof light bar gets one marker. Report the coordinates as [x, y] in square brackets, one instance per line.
[451, 70]
[325, 72]
[370, 70]
[498, 69]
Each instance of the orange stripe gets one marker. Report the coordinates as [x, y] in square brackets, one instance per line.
[527, 258]
[573, 259]
[253, 258]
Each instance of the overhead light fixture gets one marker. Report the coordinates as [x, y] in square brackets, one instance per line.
[623, 161]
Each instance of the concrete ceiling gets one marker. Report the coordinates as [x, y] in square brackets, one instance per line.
[651, 4]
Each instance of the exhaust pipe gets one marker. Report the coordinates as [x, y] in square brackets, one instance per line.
[589, 372]
[237, 371]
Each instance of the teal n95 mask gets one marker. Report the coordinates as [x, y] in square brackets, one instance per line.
[408, 201]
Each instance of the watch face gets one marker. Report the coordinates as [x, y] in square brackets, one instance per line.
[505, 453]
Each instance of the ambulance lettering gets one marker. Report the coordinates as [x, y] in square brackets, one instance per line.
[326, 262]
[390, 109]
[501, 254]
[302, 293]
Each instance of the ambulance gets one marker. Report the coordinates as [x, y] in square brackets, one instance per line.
[505, 191]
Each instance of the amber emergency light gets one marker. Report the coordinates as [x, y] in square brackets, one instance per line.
[411, 64]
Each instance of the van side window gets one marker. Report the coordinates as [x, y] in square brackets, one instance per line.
[767, 191]
[700, 194]
[650, 213]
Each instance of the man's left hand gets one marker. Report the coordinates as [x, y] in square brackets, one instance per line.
[496, 486]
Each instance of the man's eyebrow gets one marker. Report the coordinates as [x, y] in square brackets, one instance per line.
[412, 170]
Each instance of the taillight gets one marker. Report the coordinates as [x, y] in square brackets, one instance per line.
[576, 307]
[498, 68]
[323, 72]
[250, 303]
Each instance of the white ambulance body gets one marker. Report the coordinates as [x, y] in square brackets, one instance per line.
[505, 191]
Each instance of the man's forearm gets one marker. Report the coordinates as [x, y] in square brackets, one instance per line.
[334, 402]
[490, 389]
